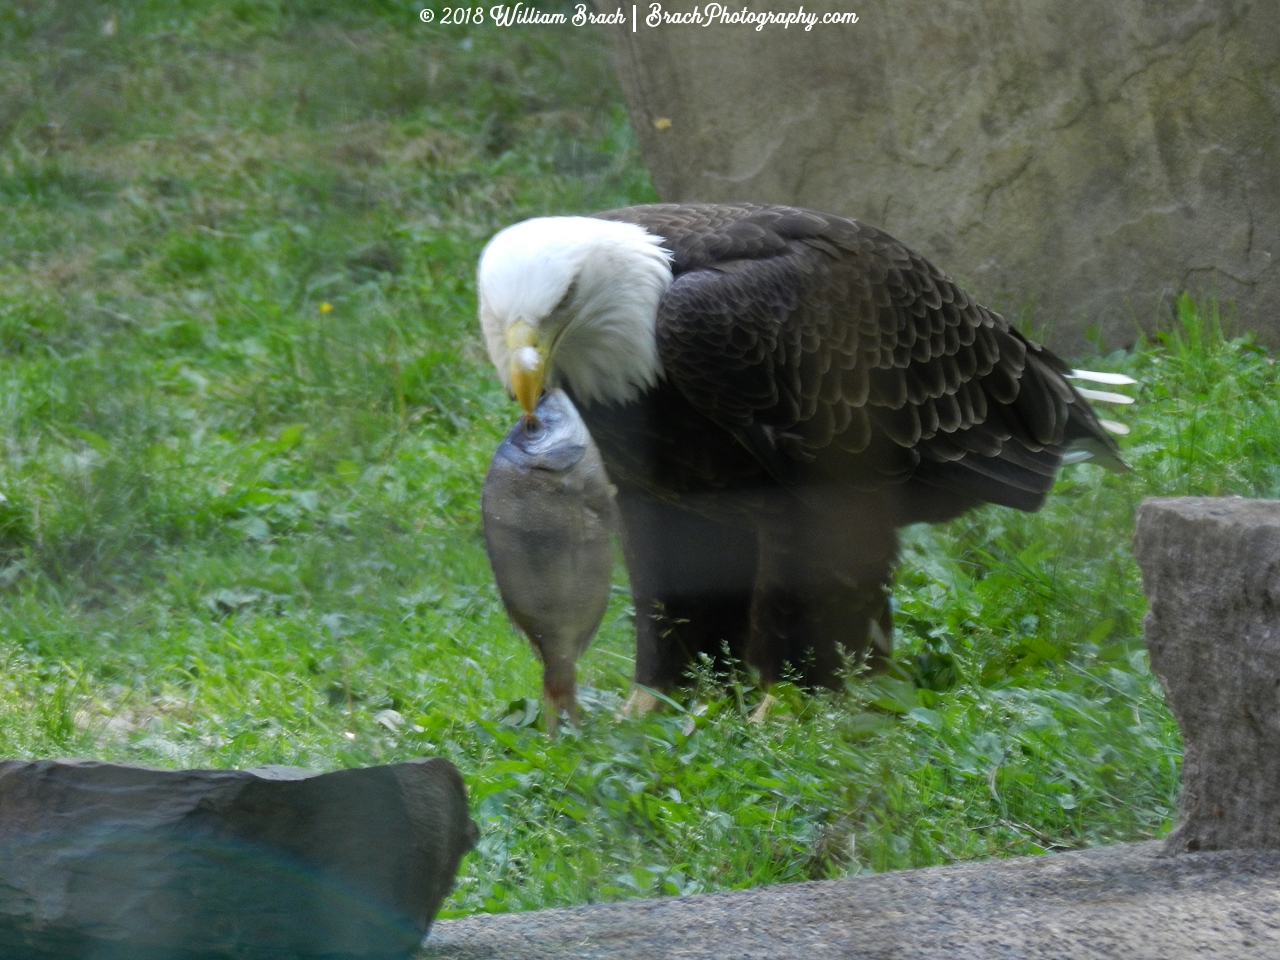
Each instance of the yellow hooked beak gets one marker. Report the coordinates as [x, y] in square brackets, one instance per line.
[528, 365]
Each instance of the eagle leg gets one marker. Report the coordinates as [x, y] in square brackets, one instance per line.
[822, 593]
[691, 581]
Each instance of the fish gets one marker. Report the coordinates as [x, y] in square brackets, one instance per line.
[548, 513]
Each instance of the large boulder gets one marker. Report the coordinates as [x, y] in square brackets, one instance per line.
[1087, 159]
[116, 862]
[1211, 572]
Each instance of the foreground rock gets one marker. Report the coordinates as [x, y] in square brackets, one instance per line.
[116, 862]
[1124, 901]
[1211, 572]
[1089, 158]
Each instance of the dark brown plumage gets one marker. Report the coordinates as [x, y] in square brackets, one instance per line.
[824, 385]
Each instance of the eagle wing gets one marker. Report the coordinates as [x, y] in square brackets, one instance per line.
[836, 354]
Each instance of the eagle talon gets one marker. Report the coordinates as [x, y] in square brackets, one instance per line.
[761, 712]
[638, 704]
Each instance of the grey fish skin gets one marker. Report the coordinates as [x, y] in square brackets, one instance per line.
[548, 512]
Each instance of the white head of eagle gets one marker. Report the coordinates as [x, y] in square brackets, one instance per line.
[574, 301]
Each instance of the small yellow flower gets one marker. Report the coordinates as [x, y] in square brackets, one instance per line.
[662, 123]
[326, 307]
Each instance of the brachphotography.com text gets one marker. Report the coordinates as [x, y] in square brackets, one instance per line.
[650, 15]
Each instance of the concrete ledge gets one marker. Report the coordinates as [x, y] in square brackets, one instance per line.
[1124, 901]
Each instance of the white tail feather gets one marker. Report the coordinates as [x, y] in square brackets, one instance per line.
[1116, 379]
[1103, 396]
[1085, 448]
[1076, 456]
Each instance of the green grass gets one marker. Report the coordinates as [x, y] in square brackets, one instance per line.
[245, 416]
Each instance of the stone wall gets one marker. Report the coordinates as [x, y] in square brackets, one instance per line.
[1211, 573]
[1086, 159]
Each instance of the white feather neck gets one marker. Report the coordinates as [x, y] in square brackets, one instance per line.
[590, 288]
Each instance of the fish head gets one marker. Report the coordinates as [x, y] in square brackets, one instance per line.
[553, 437]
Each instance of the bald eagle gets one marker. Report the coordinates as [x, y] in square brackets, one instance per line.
[774, 391]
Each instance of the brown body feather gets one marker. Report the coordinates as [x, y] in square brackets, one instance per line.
[824, 385]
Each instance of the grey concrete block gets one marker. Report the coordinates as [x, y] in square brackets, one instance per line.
[1090, 158]
[1211, 572]
[103, 861]
[1124, 901]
